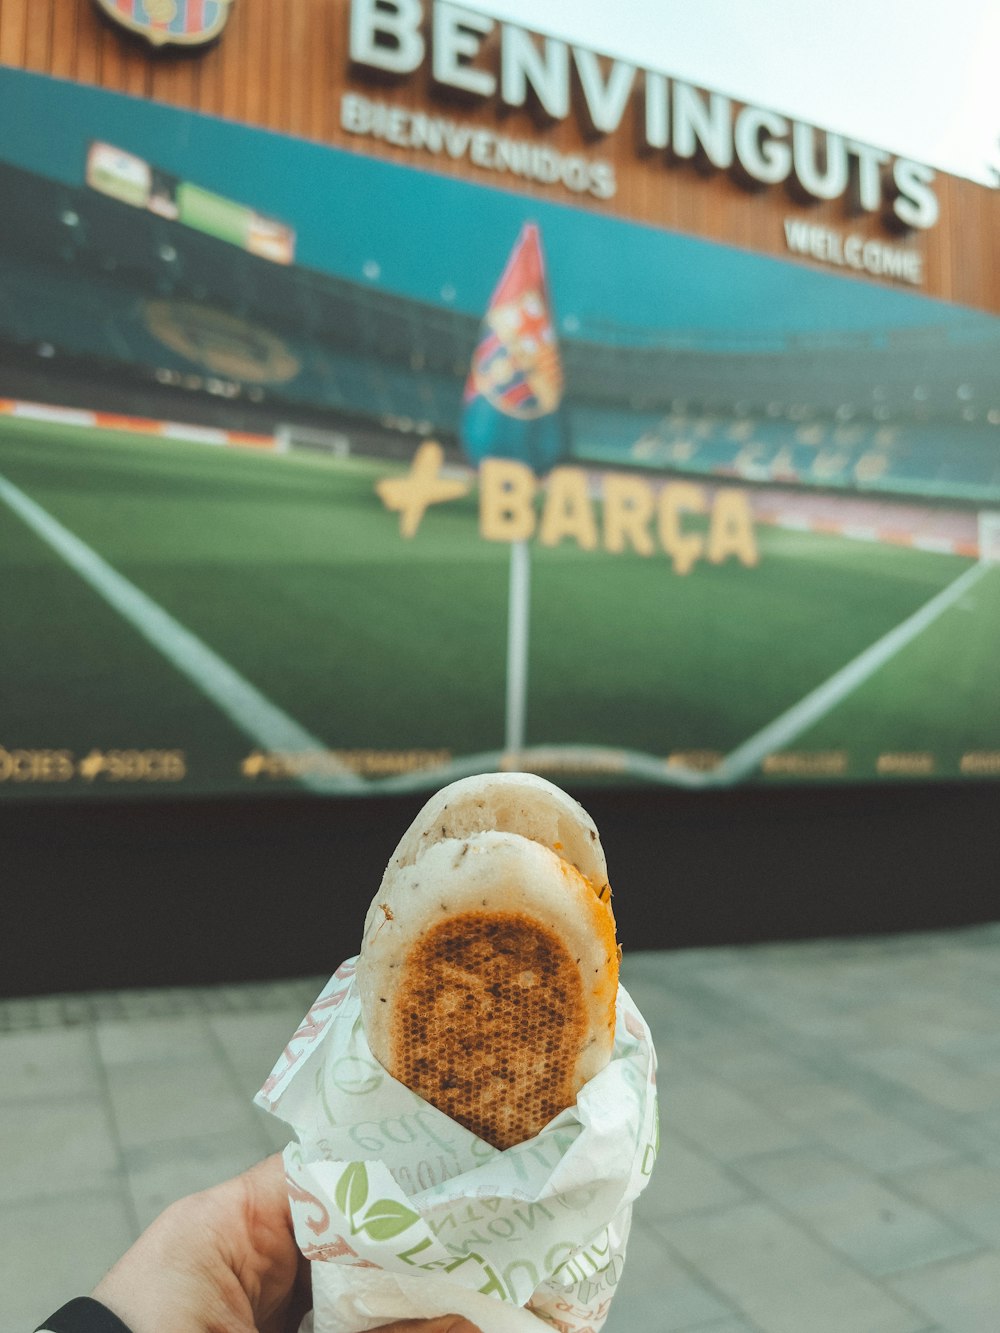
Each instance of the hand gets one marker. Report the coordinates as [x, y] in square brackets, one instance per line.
[225, 1261]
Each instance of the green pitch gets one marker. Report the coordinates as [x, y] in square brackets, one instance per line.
[292, 573]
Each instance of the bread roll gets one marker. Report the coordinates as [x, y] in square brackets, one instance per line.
[489, 969]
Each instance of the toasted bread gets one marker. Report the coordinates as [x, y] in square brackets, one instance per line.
[489, 969]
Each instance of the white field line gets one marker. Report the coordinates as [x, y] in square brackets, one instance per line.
[518, 631]
[739, 762]
[250, 711]
[609, 762]
[557, 762]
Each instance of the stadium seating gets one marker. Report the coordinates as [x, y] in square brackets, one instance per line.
[960, 462]
[885, 412]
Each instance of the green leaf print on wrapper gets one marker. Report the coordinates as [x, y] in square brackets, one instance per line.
[352, 1190]
[384, 1220]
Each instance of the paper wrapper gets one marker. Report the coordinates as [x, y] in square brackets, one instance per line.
[406, 1214]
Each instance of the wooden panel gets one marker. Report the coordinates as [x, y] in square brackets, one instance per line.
[234, 68]
[280, 68]
[37, 37]
[211, 81]
[173, 77]
[87, 55]
[13, 27]
[116, 55]
[284, 66]
[325, 33]
[299, 42]
[62, 56]
[254, 85]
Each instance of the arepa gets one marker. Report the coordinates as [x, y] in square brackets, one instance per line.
[489, 968]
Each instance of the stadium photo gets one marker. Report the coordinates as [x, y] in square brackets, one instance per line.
[299, 492]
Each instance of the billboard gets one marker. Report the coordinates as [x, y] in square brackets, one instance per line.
[131, 180]
[430, 477]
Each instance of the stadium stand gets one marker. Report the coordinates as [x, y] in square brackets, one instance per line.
[100, 302]
[960, 462]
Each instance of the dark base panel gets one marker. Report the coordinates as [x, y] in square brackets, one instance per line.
[196, 892]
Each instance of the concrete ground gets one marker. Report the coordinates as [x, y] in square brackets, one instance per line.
[831, 1133]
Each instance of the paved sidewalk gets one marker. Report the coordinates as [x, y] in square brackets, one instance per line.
[831, 1133]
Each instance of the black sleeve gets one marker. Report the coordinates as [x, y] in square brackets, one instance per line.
[83, 1315]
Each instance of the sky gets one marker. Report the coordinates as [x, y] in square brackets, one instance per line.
[917, 77]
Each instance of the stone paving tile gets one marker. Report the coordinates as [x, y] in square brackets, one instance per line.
[975, 1052]
[653, 999]
[56, 1248]
[161, 1103]
[686, 1181]
[854, 1002]
[757, 1067]
[831, 1136]
[649, 963]
[55, 1062]
[725, 1326]
[979, 1136]
[657, 1295]
[879, 1026]
[795, 1003]
[920, 1127]
[781, 1279]
[883, 1143]
[928, 1075]
[967, 1193]
[253, 1042]
[242, 998]
[163, 1040]
[878, 1229]
[946, 1021]
[841, 1119]
[23, 1013]
[963, 1297]
[142, 1003]
[675, 1020]
[69, 1010]
[721, 1121]
[50, 1148]
[159, 1173]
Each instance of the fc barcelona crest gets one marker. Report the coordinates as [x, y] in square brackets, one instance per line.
[516, 366]
[170, 22]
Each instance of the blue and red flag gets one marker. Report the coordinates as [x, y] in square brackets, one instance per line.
[515, 385]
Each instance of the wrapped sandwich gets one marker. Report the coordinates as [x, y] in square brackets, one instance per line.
[474, 1094]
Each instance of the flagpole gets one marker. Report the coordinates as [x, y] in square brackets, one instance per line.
[511, 404]
[518, 618]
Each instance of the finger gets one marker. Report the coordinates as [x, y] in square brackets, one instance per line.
[267, 1183]
[264, 1192]
[267, 1179]
[259, 1245]
[301, 1299]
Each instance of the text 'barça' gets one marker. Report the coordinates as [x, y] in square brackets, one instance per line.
[623, 512]
[633, 516]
